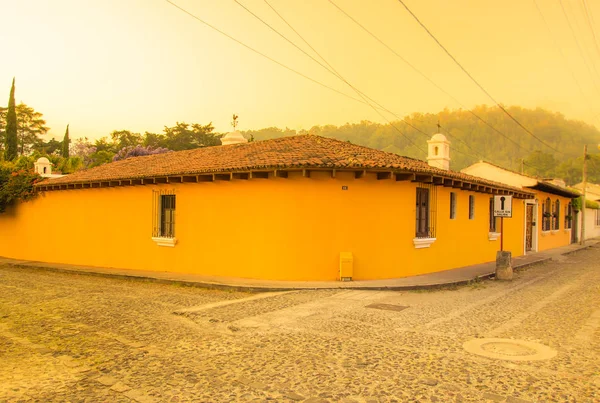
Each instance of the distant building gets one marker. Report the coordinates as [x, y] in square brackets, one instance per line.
[43, 167]
[592, 212]
[293, 208]
[548, 218]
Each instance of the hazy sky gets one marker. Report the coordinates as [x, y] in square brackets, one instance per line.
[103, 65]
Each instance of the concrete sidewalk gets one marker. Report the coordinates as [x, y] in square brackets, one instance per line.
[441, 279]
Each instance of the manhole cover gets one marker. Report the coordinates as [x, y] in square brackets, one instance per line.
[508, 349]
[388, 307]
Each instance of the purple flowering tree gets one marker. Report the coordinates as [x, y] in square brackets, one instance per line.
[138, 151]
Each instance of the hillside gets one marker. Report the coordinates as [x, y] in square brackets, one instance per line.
[473, 140]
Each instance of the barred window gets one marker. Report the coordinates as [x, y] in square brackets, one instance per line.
[492, 218]
[568, 216]
[546, 214]
[452, 205]
[597, 218]
[426, 201]
[163, 214]
[471, 207]
[556, 215]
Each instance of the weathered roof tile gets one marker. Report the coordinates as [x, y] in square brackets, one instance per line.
[306, 151]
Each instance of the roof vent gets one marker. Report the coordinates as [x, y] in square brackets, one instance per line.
[235, 137]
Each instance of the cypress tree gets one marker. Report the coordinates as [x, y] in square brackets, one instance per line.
[65, 144]
[11, 146]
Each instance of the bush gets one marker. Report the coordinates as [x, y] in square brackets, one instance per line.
[16, 185]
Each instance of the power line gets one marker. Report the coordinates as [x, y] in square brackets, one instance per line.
[566, 63]
[339, 76]
[331, 70]
[475, 81]
[425, 76]
[579, 47]
[261, 53]
[590, 24]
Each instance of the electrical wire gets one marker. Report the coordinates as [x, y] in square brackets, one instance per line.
[585, 98]
[427, 78]
[261, 53]
[579, 48]
[475, 81]
[590, 25]
[333, 71]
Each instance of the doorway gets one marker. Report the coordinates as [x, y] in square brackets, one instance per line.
[530, 227]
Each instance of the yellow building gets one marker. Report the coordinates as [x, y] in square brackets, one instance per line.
[549, 217]
[294, 208]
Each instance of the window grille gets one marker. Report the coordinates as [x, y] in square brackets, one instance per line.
[426, 214]
[568, 216]
[163, 213]
[492, 218]
[471, 207]
[597, 218]
[452, 205]
[556, 215]
[546, 208]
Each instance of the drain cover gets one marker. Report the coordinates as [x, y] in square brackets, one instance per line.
[509, 349]
[387, 307]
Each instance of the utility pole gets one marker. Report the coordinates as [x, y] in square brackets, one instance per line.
[582, 240]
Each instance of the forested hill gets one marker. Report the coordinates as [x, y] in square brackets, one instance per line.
[473, 140]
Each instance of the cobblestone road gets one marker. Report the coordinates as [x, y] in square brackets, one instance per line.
[65, 337]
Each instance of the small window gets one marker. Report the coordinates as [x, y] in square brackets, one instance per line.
[492, 218]
[422, 213]
[556, 215]
[426, 201]
[568, 216]
[471, 207]
[597, 218]
[163, 225]
[452, 205]
[435, 150]
[45, 169]
[546, 214]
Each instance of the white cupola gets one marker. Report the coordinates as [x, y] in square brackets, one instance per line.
[235, 137]
[43, 167]
[438, 152]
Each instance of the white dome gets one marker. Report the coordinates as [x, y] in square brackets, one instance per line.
[439, 137]
[43, 160]
[233, 138]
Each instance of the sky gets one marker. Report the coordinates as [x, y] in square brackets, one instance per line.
[104, 65]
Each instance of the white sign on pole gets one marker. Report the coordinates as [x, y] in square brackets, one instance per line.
[503, 206]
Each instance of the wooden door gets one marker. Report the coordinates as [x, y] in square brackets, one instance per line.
[529, 228]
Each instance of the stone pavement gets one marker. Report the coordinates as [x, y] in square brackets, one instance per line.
[458, 276]
[72, 338]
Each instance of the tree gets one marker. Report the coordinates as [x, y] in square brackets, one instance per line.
[15, 184]
[49, 147]
[65, 144]
[138, 151]
[83, 149]
[30, 125]
[183, 137]
[125, 138]
[10, 152]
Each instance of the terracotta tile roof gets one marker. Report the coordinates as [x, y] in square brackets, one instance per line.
[296, 152]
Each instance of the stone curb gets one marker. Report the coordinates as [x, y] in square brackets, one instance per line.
[256, 289]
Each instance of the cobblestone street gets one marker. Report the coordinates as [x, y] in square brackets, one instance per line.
[67, 337]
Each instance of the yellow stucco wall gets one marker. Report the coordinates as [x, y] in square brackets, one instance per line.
[552, 239]
[277, 228]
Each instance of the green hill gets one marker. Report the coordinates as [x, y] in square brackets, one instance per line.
[473, 140]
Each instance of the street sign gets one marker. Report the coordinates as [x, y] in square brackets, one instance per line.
[503, 206]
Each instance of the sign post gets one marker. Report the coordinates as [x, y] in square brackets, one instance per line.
[503, 208]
